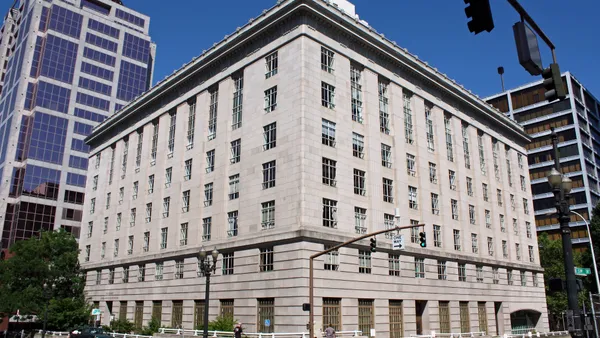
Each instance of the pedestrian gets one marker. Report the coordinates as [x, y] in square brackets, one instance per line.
[329, 332]
[237, 330]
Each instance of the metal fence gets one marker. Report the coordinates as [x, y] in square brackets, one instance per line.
[227, 334]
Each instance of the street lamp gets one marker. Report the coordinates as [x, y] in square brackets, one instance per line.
[207, 268]
[561, 187]
[47, 294]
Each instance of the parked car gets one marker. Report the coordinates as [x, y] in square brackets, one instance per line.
[88, 332]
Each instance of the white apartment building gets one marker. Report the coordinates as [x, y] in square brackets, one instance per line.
[301, 130]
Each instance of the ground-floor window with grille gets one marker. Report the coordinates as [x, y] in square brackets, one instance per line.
[365, 316]
[266, 315]
[123, 311]
[227, 307]
[332, 313]
[464, 317]
[177, 314]
[157, 310]
[482, 317]
[444, 309]
[138, 319]
[198, 314]
[396, 319]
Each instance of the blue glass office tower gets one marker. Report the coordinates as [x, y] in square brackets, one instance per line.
[66, 66]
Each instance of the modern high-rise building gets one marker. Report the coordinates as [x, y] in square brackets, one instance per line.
[577, 123]
[66, 66]
[303, 129]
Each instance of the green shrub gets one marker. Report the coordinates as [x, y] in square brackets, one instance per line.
[153, 326]
[221, 323]
[121, 326]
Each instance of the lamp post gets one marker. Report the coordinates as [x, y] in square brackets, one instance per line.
[207, 268]
[561, 187]
[46, 294]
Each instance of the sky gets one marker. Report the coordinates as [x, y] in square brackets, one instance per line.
[435, 30]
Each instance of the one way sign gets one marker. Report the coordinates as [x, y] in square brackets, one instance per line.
[398, 242]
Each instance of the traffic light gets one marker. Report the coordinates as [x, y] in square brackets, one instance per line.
[553, 83]
[373, 244]
[481, 16]
[423, 239]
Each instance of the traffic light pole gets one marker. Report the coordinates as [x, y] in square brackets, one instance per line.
[311, 266]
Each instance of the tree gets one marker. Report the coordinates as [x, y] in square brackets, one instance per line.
[52, 259]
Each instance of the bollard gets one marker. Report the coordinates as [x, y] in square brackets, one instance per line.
[432, 334]
[214, 334]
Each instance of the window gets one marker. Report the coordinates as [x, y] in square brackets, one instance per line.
[268, 175]
[232, 221]
[528, 229]
[268, 215]
[432, 173]
[523, 279]
[411, 167]
[179, 269]
[452, 179]
[394, 265]
[495, 275]
[469, 186]
[121, 194]
[266, 313]
[158, 271]
[386, 155]
[327, 58]
[482, 164]
[130, 245]
[429, 128]
[454, 206]
[457, 243]
[95, 183]
[327, 95]
[212, 110]
[112, 165]
[502, 226]
[359, 182]
[164, 233]
[125, 274]
[118, 225]
[97, 165]
[191, 123]
[270, 136]
[474, 245]
[146, 241]
[270, 99]
[358, 145]
[234, 186]
[490, 244]
[488, 219]
[448, 130]
[518, 251]
[90, 229]
[515, 226]
[228, 263]
[136, 187]
[504, 249]
[366, 320]
[271, 65]
[419, 267]
[512, 202]
[388, 190]
[132, 216]
[329, 213]
[154, 144]
[148, 212]
[531, 254]
[98, 277]
[329, 172]
[508, 169]
[465, 135]
[414, 233]
[166, 206]
[442, 271]
[111, 276]
[412, 198]
[495, 147]
[462, 272]
[479, 273]
[408, 122]
[499, 196]
[520, 160]
[183, 234]
[509, 277]
[472, 214]
[150, 184]
[208, 194]
[526, 206]
[364, 261]
[185, 201]
[360, 220]
[141, 273]
[238, 97]
[266, 259]
[332, 259]
[138, 151]
[437, 236]
[444, 313]
[328, 133]
[484, 187]
[523, 184]
[171, 142]
[168, 177]
[535, 280]
[332, 312]
[435, 204]
[108, 201]
[384, 117]
[87, 253]
[187, 170]
[210, 161]
[206, 228]
[356, 93]
[388, 222]
[227, 307]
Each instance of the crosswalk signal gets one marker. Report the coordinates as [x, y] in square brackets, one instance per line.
[553, 84]
[422, 239]
[373, 244]
[480, 13]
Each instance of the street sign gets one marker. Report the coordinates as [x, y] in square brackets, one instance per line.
[267, 322]
[583, 271]
[95, 312]
[398, 242]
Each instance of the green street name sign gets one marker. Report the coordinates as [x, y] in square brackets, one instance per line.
[583, 271]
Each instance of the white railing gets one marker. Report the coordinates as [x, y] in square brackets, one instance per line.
[537, 334]
[125, 335]
[451, 335]
[215, 334]
[54, 333]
